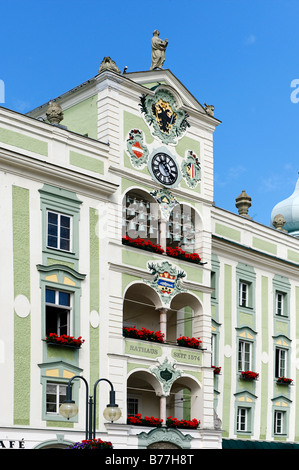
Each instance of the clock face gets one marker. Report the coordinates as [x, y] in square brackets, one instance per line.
[164, 169]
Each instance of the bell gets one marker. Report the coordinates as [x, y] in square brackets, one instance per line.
[184, 241]
[141, 228]
[176, 237]
[132, 225]
[176, 227]
[141, 217]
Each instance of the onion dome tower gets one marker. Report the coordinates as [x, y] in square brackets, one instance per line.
[288, 209]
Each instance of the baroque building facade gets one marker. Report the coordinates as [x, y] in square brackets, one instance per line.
[110, 238]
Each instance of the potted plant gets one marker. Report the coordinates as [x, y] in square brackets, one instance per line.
[150, 421]
[183, 423]
[189, 342]
[143, 244]
[143, 334]
[183, 255]
[284, 380]
[64, 340]
[249, 375]
[216, 370]
[91, 444]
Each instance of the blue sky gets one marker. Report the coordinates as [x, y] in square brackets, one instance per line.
[242, 56]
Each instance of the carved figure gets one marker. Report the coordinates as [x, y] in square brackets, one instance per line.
[158, 50]
[54, 113]
[108, 64]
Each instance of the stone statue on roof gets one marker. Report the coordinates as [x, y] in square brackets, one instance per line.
[158, 51]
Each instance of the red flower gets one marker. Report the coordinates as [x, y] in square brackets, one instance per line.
[249, 375]
[143, 334]
[189, 342]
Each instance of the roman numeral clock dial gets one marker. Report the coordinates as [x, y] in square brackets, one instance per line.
[164, 169]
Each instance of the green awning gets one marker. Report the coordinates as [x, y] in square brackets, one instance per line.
[249, 444]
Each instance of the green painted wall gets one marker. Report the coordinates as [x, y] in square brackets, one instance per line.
[94, 293]
[22, 327]
[86, 163]
[83, 117]
[227, 365]
[23, 141]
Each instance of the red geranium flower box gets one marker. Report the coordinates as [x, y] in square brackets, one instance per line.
[183, 423]
[143, 334]
[137, 420]
[284, 380]
[64, 340]
[142, 243]
[249, 375]
[189, 342]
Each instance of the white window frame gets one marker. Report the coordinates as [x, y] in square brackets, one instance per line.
[57, 306]
[242, 419]
[279, 422]
[243, 294]
[59, 238]
[244, 355]
[279, 303]
[58, 387]
[280, 362]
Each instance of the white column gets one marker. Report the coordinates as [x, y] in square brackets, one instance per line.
[163, 409]
[163, 321]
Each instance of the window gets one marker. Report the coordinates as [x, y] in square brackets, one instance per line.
[58, 309]
[243, 294]
[279, 303]
[244, 355]
[58, 231]
[133, 405]
[55, 396]
[280, 362]
[242, 419]
[279, 422]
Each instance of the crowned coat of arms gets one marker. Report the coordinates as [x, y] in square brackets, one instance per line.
[167, 280]
[169, 123]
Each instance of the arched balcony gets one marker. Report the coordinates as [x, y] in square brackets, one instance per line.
[177, 232]
[146, 400]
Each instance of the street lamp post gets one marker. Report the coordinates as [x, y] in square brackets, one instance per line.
[69, 409]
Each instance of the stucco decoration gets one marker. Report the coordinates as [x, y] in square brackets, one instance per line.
[160, 112]
[158, 50]
[157, 436]
[167, 280]
[166, 373]
[137, 149]
[166, 201]
[22, 306]
[191, 169]
[108, 64]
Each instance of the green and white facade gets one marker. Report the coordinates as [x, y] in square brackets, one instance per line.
[70, 194]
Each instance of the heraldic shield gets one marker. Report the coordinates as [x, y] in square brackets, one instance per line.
[137, 149]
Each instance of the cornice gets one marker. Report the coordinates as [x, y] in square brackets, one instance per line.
[253, 257]
[44, 171]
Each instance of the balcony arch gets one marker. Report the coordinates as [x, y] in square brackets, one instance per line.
[140, 215]
[141, 307]
[143, 393]
[184, 316]
[185, 399]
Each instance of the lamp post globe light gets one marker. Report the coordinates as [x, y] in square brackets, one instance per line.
[69, 409]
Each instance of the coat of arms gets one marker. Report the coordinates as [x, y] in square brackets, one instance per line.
[136, 148]
[191, 169]
[166, 280]
[160, 111]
